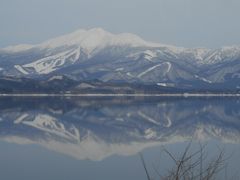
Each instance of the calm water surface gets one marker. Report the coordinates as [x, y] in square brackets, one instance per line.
[101, 138]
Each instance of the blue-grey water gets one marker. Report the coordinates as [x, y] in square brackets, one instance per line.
[102, 138]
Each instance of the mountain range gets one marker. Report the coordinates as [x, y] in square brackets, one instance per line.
[89, 60]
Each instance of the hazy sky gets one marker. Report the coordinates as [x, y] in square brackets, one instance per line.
[189, 23]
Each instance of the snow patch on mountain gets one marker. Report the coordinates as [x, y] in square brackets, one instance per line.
[51, 63]
[56, 78]
[154, 67]
[119, 69]
[18, 48]
[19, 68]
[162, 84]
[165, 84]
[223, 54]
[149, 55]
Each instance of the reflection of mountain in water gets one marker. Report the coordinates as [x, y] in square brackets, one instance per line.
[95, 129]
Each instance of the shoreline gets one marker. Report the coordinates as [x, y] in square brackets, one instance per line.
[126, 95]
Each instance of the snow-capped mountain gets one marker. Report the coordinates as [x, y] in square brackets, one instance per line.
[99, 55]
[96, 129]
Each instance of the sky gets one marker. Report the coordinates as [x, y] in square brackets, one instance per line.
[185, 23]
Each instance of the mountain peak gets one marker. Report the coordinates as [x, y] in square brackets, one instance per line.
[98, 30]
[89, 40]
[96, 38]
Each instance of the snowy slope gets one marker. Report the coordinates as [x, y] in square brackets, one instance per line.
[89, 40]
[98, 54]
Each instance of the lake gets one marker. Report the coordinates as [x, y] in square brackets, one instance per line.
[99, 138]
